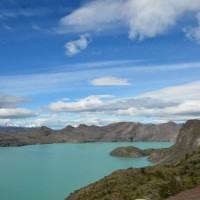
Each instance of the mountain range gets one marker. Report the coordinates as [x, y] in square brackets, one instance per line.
[117, 132]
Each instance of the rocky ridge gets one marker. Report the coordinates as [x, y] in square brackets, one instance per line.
[117, 132]
[187, 141]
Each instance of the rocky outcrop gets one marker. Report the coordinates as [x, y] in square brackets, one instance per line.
[117, 132]
[187, 141]
[130, 152]
[161, 132]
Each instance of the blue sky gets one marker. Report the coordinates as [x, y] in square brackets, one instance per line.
[99, 62]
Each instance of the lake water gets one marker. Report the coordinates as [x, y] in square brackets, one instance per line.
[53, 171]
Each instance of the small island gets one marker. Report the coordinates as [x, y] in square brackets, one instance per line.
[130, 152]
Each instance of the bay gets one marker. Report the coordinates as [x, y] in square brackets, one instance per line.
[53, 171]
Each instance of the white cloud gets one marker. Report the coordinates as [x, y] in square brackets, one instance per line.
[88, 104]
[11, 101]
[107, 80]
[142, 18]
[181, 93]
[188, 109]
[177, 102]
[76, 46]
[9, 107]
[107, 104]
[15, 113]
[193, 33]
[14, 13]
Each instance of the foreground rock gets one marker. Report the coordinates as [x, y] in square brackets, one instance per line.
[179, 172]
[117, 132]
[130, 152]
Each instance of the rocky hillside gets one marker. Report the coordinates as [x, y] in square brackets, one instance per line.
[187, 141]
[179, 172]
[117, 132]
[160, 132]
[150, 183]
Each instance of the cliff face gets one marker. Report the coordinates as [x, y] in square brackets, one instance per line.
[187, 141]
[161, 132]
[117, 132]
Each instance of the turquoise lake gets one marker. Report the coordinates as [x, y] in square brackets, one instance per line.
[53, 171]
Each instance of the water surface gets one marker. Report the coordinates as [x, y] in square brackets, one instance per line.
[53, 171]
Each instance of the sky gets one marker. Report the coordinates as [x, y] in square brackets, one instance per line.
[96, 62]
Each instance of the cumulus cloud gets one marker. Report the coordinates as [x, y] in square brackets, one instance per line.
[88, 104]
[76, 46]
[107, 80]
[142, 18]
[106, 104]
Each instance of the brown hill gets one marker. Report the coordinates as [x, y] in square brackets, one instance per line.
[150, 183]
[117, 132]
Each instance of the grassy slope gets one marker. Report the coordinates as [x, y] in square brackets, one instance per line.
[156, 183]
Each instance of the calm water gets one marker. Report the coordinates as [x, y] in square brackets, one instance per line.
[51, 172]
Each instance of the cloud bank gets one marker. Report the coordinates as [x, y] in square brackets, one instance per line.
[176, 103]
[142, 18]
[180, 103]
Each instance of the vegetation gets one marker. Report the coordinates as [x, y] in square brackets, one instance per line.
[131, 152]
[158, 183]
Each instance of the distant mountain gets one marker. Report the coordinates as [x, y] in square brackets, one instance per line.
[13, 129]
[117, 132]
